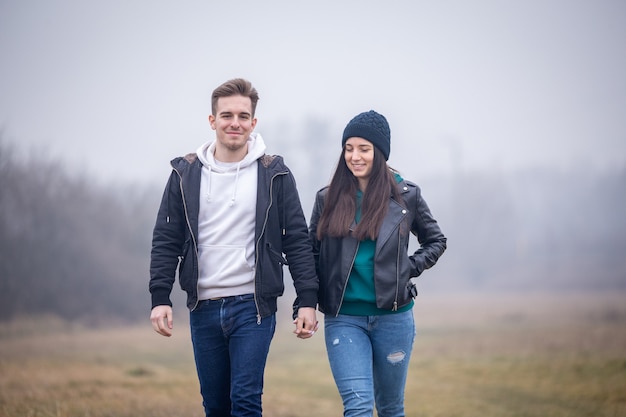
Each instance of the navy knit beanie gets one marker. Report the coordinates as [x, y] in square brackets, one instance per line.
[371, 126]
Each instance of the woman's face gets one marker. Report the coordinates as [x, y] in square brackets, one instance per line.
[359, 156]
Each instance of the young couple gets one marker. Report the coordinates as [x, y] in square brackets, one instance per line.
[230, 219]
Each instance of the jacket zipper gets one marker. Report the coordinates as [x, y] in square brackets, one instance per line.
[343, 293]
[256, 257]
[193, 238]
[398, 256]
[395, 302]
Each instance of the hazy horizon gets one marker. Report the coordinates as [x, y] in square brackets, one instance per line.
[119, 88]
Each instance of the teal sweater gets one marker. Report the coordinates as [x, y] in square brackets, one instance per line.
[360, 296]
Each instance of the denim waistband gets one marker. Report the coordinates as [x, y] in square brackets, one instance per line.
[242, 297]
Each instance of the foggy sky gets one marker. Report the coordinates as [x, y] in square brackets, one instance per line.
[118, 88]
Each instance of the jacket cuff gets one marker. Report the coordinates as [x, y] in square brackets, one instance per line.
[161, 298]
[307, 298]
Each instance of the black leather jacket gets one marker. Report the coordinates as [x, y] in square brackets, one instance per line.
[393, 266]
[280, 228]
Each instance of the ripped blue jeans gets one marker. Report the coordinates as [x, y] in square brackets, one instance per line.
[369, 358]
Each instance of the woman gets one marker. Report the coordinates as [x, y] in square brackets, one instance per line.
[360, 230]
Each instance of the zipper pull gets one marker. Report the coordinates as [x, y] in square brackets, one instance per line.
[258, 319]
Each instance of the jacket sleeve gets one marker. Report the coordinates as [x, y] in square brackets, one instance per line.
[296, 246]
[167, 243]
[432, 241]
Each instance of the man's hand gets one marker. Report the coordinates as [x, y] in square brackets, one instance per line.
[306, 323]
[162, 320]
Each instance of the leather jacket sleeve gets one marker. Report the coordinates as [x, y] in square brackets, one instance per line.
[432, 241]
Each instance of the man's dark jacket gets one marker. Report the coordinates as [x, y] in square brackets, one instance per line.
[393, 266]
[280, 229]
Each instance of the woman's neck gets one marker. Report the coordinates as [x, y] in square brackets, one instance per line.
[362, 184]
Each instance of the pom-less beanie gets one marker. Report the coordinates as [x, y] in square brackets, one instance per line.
[371, 126]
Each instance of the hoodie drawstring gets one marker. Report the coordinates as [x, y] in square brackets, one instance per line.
[208, 196]
[232, 199]
[234, 194]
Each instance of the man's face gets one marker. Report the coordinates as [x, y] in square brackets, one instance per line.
[233, 123]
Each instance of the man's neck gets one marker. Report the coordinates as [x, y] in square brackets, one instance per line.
[224, 154]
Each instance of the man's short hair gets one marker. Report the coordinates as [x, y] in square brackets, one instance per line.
[235, 87]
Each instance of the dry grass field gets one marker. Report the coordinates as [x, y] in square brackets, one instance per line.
[474, 356]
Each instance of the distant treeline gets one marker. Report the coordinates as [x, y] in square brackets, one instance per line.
[69, 247]
[79, 250]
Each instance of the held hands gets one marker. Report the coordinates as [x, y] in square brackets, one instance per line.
[162, 320]
[306, 323]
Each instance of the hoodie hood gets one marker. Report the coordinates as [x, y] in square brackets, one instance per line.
[211, 167]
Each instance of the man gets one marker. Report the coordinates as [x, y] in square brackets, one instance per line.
[228, 214]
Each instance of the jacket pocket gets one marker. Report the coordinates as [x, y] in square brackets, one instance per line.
[183, 256]
[276, 256]
[271, 274]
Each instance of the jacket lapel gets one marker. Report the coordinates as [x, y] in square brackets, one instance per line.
[396, 213]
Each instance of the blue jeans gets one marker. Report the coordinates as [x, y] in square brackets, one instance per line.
[369, 358]
[231, 349]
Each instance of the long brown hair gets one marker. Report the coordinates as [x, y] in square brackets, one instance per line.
[340, 202]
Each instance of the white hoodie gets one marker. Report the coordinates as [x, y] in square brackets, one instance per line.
[226, 222]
